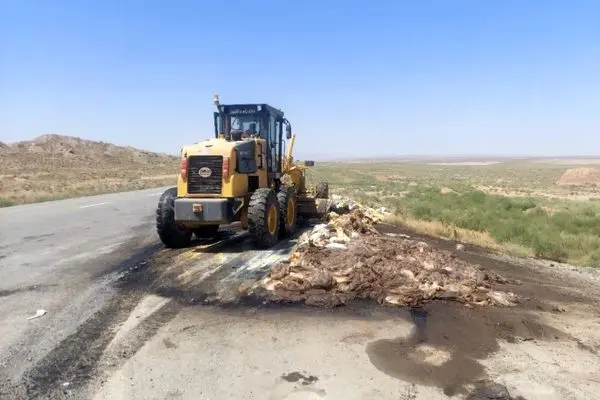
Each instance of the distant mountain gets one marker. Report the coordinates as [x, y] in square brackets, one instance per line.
[57, 166]
[78, 148]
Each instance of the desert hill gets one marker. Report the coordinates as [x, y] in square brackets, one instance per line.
[78, 148]
[583, 176]
[57, 166]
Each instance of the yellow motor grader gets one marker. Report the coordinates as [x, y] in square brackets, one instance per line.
[240, 175]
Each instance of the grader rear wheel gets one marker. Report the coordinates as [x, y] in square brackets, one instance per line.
[287, 211]
[263, 217]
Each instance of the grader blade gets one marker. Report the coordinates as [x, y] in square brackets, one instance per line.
[310, 207]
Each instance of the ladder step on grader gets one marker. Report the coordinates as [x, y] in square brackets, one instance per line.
[240, 175]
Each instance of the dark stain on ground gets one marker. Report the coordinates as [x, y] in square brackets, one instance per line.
[75, 359]
[488, 390]
[174, 394]
[38, 238]
[129, 257]
[231, 239]
[469, 335]
[419, 318]
[465, 335]
[169, 344]
[586, 347]
[31, 288]
[297, 376]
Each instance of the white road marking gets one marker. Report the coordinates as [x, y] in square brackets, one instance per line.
[145, 308]
[96, 204]
[154, 194]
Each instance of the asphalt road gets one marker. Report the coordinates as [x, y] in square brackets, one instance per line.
[61, 257]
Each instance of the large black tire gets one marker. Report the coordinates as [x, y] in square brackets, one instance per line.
[171, 234]
[288, 211]
[263, 217]
[322, 190]
[206, 231]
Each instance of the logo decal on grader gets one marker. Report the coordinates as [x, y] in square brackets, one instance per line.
[205, 172]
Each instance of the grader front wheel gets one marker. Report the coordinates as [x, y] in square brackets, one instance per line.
[171, 234]
[263, 217]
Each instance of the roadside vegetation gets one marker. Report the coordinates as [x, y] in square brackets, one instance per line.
[516, 207]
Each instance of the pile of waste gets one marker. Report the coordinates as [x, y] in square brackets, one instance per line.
[346, 259]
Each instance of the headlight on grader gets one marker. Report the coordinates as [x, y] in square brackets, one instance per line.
[225, 168]
[184, 167]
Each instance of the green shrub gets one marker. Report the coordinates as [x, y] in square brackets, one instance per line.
[522, 221]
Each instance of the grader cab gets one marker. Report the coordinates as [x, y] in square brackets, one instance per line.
[240, 175]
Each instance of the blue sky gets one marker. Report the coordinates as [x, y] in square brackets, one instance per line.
[354, 78]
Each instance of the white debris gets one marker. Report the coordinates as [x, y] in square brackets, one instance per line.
[383, 211]
[38, 314]
[401, 235]
[346, 220]
[502, 298]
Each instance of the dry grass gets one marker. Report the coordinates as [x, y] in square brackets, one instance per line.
[56, 167]
[449, 231]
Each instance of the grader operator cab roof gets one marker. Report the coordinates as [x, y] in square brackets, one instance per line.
[243, 109]
[252, 118]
